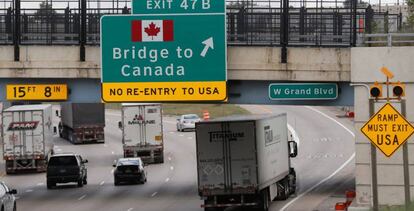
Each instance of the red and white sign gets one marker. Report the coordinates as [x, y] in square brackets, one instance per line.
[22, 126]
[152, 31]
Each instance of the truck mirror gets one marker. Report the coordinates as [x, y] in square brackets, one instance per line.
[293, 149]
[54, 130]
[120, 125]
[57, 113]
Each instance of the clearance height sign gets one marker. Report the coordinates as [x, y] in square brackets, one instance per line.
[388, 129]
[164, 57]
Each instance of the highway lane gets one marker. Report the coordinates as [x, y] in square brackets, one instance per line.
[326, 145]
[172, 186]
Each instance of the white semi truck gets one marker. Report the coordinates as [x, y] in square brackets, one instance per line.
[27, 134]
[142, 134]
[244, 161]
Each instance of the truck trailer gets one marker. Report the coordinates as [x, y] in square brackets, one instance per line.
[142, 134]
[244, 161]
[82, 122]
[27, 134]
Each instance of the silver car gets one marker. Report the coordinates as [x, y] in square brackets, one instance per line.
[7, 199]
[187, 121]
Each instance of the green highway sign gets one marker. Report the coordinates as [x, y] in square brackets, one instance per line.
[303, 91]
[172, 57]
[178, 6]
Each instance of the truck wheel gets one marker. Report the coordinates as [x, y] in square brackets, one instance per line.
[283, 189]
[80, 183]
[85, 181]
[50, 185]
[265, 203]
[292, 181]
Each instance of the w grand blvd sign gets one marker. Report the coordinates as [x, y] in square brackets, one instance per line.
[303, 91]
[167, 57]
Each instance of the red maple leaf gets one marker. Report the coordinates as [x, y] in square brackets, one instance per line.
[152, 30]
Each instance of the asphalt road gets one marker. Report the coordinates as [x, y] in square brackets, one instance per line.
[324, 147]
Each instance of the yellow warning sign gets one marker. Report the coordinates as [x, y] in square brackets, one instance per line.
[388, 129]
[164, 91]
[36, 92]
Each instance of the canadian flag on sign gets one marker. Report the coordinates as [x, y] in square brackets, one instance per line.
[152, 30]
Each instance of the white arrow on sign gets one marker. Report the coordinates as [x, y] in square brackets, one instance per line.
[209, 43]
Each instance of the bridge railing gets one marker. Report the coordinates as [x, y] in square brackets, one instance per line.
[249, 22]
[390, 39]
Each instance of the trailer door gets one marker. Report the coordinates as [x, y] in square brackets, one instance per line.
[24, 132]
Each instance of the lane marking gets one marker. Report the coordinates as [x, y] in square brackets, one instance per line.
[169, 158]
[113, 152]
[40, 183]
[82, 197]
[105, 145]
[334, 173]
[190, 137]
[102, 183]
[168, 179]
[29, 190]
[155, 193]
[171, 132]
[172, 168]
[130, 209]
[169, 122]
[181, 135]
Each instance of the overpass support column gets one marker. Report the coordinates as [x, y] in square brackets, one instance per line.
[16, 30]
[82, 40]
[284, 37]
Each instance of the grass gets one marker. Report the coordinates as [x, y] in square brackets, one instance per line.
[215, 110]
[396, 208]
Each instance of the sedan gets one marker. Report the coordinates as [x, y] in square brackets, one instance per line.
[187, 121]
[129, 170]
[7, 199]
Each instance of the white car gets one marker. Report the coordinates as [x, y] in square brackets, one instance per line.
[187, 121]
[7, 199]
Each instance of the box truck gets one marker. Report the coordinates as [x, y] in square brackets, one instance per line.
[244, 161]
[82, 122]
[27, 134]
[142, 134]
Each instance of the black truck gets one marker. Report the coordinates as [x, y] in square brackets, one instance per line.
[82, 122]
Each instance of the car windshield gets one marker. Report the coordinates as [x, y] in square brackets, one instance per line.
[63, 161]
[128, 168]
[191, 116]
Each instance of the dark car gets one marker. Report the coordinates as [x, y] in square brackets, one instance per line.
[65, 168]
[7, 199]
[129, 170]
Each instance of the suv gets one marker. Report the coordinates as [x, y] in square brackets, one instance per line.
[129, 170]
[64, 168]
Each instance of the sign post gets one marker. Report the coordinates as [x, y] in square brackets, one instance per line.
[387, 130]
[171, 51]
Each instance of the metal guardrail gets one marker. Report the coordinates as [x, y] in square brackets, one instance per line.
[390, 39]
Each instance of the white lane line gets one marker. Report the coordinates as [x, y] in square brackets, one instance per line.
[29, 190]
[113, 152]
[130, 209]
[334, 173]
[40, 183]
[181, 135]
[155, 193]
[172, 168]
[190, 137]
[168, 179]
[171, 132]
[336, 121]
[169, 158]
[82, 197]
[102, 183]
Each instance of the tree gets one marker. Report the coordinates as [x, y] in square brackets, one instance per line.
[410, 18]
[360, 4]
[45, 9]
